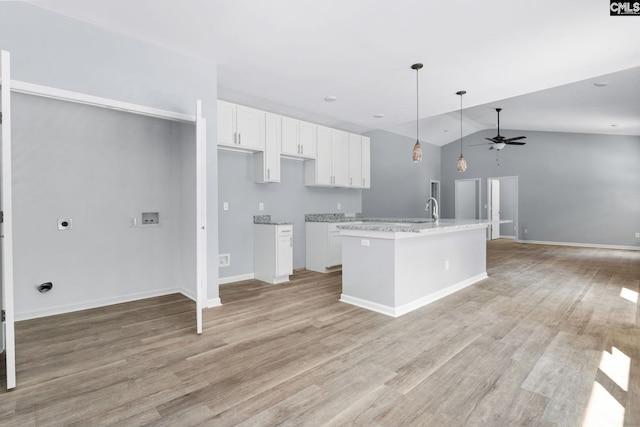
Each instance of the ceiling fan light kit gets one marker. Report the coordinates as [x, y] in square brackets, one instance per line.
[417, 149]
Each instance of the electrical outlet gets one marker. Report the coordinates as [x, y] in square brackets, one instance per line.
[260, 206]
[446, 265]
[365, 242]
[526, 231]
[225, 206]
[64, 224]
[637, 235]
[224, 260]
[339, 206]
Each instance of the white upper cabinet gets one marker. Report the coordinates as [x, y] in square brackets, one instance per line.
[266, 164]
[334, 158]
[355, 160]
[240, 127]
[308, 140]
[340, 158]
[298, 138]
[318, 171]
[366, 162]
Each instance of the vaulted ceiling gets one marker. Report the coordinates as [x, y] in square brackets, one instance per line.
[537, 60]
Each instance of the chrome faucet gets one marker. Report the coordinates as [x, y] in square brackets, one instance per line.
[435, 208]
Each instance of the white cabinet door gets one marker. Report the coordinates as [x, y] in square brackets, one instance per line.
[284, 258]
[249, 128]
[355, 161]
[226, 123]
[290, 138]
[323, 175]
[339, 158]
[366, 162]
[266, 164]
[307, 139]
[335, 249]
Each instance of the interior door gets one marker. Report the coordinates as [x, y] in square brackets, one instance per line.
[6, 225]
[495, 209]
[201, 215]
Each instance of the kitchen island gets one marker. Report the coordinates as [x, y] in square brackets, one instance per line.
[393, 267]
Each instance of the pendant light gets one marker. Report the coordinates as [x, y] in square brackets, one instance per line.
[462, 162]
[417, 150]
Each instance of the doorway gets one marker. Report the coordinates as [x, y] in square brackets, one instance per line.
[467, 198]
[505, 190]
[434, 191]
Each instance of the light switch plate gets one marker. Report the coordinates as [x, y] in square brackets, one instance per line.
[225, 206]
[260, 206]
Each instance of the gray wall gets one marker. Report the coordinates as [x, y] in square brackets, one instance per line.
[53, 50]
[573, 188]
[287, 200]
[399, 187]
[100, 168]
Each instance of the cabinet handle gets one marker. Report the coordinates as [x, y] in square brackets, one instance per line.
[268, 173]
[302, 149]
[351, 182]
[235, 137]
[298, 148]
[239, 138]
[363, 182]
[291, 241]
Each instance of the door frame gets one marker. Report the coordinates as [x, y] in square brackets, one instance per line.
[516, 201]
[478, 189]
[6, 200]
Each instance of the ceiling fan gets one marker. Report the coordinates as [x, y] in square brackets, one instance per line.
[499, 142]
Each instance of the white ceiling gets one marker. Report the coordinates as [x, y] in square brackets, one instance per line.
[537, 60]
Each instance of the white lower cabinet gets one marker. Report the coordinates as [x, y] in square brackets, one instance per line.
[273, 252]
[324, 245]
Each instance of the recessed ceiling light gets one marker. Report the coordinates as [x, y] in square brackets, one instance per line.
[614, 126]
[331, 98]
[446, 130]
[601, 84]
[378, 115]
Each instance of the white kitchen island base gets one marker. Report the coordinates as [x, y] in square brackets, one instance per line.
[395, 272]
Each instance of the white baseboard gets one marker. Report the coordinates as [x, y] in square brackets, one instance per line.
[414, 305]
[61, 309]
[581, 245]
[214, 302]
[508, 237]
[231, 279]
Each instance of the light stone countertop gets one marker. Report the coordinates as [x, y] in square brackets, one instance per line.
[398, 228]
[266, 220]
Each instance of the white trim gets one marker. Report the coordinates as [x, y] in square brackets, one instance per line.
[414, 305]
[7, 227]
[81, 98]
[516, 221]
[201, 215]
[581, 245]
[369, 305]
[239, 278]
[52, 311]
[507, 237]
[214, 302]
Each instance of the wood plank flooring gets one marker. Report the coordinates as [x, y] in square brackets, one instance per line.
[547, 340]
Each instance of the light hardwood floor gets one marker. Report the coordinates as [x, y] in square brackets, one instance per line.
[547, 340]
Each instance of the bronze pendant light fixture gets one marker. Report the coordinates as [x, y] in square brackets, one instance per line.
[462, 162]
[417, 149]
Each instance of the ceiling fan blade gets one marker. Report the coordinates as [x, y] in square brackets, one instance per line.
[516, 138]
[484, 143]
[491, 139]
[515, 143]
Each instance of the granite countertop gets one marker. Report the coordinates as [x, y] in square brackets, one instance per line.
[333, 217]
[266, 220]
[399, 225]
[341, 217]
